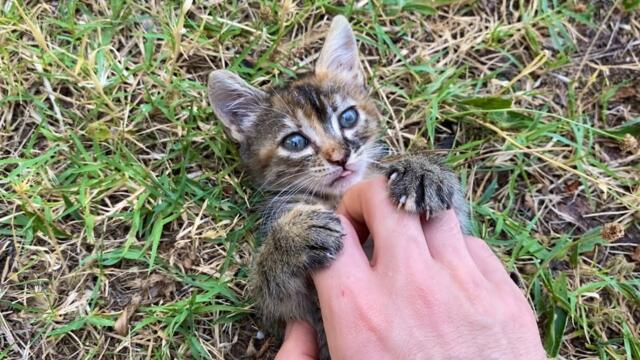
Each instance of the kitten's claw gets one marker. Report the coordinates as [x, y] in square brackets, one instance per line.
[421, 184]
[402, 202]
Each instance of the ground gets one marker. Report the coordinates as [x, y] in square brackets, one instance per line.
[127, 223]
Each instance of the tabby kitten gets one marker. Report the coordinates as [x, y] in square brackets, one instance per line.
[306, 143]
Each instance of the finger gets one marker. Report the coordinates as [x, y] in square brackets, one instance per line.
[445, 240]
[351, 262]
[486, 261]
[397, 234]
[299, 342]
[339, 284]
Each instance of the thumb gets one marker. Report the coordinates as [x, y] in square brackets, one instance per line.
[299, 342]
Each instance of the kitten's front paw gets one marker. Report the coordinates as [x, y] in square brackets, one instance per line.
[305, 238]
[324, 237]
[422, 184]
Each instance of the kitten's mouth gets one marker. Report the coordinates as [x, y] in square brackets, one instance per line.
[345, 173]
[344, 177]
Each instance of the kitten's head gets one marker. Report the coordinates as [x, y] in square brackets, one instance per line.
[317, 134]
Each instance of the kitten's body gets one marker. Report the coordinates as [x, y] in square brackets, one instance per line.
[306, 144]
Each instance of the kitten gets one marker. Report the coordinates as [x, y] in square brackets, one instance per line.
[307, 143]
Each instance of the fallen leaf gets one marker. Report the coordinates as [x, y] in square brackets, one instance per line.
[251, 349]
[98, 131]
[612, 231]
[629, 144]
[529, 202]
[579, 7]
[159, 284]
[572, 186]
[636, 254]
[529, 269]
[122, 324]
[187, 263]
[263, 349]
[626, 92]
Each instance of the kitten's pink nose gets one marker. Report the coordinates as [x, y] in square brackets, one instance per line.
[336, 156]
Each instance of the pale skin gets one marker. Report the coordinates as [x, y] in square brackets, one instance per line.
[429, 292]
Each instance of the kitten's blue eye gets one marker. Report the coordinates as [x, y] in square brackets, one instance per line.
[348, 118]
[295, 142]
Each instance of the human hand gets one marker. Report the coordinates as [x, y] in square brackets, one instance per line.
[428, 292]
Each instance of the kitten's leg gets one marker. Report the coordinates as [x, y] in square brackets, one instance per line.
[304, 238]
[424, 184]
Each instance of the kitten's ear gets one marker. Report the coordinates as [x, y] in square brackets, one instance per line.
[234, 102]
[339, 55]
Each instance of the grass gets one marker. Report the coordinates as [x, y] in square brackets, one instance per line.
[126, 222]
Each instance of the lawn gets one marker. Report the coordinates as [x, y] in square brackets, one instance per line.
[126, 221]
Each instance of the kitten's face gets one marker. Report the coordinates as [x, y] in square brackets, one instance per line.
[317, 134]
